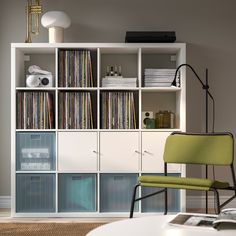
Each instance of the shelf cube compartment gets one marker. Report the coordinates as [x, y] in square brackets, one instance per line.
[116, 192]
[77, 192]
[35, 193]
[164, 108]
[35, 151]
[43, 57]
[119, 109]
[35, 109]
[77, 67]
[77, 109]
[156, 202]
[118, 63]
[152, 59]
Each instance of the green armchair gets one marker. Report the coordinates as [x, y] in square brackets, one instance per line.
[215, 149]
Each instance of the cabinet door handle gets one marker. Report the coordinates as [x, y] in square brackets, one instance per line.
[95, 152]
[137, 151]
[146, 152]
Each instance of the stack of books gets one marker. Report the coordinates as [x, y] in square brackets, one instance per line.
[159, 77]
[119, 81]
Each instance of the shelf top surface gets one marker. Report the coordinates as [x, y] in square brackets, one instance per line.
[106, 47]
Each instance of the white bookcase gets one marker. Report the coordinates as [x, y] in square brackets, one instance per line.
[63, 171]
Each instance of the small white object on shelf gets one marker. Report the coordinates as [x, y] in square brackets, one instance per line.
[36, 70]
[118, 81]
[56, 22]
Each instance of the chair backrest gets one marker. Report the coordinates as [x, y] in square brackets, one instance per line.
[209, 149]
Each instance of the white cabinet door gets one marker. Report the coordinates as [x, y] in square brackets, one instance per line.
[153, 144]
[119, 151]
[77, 151]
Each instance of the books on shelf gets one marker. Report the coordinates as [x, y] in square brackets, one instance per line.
[75, 110]
[118, 110]
[225, 220]
[75, 68]
[118, 81]
[160, 78]
[35, 110]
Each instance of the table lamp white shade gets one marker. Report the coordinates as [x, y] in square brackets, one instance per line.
[56, 22]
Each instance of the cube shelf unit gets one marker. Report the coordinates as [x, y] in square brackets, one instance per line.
[78, 151]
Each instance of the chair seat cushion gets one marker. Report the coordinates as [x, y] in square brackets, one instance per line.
[181, 182]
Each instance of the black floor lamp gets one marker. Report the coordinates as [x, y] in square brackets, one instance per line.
[208, 94]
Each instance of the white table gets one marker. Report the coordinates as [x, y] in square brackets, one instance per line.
[154, 226]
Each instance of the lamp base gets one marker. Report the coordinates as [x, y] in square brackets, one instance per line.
[56, 35]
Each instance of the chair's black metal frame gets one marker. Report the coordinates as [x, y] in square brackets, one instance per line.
[214, 190]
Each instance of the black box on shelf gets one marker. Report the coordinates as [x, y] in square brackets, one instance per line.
[150, 37]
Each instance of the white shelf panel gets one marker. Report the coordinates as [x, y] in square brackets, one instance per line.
[146, 47]
[77, 171]
[35, 89]
[160, 89]
[35, 130]
[160, 130]
[118, 130]
[119, 88]
[77, 130]
[36, 172]
[77, 89]
[120, 172]
[34, 48]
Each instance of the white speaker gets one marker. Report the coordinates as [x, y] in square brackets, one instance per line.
[39, 81]
[145, 116]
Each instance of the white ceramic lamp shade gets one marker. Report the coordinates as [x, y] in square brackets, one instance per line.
[56, 22]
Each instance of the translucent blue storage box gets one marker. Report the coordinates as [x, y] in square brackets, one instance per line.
[35, 193]
[35, 151]
[116, 192]
[77, 192]
[156, 202]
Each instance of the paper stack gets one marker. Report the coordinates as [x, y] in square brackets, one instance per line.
[159, 77]
[119, 81]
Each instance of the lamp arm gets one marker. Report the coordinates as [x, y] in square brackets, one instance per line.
[204, 86]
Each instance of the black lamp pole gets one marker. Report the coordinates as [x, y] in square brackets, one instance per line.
[208, 94]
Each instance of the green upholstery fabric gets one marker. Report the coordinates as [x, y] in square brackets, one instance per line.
[199, 149]
[183, 148]
[180, 182]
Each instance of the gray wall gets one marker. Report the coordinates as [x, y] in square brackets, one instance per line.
[207, 26]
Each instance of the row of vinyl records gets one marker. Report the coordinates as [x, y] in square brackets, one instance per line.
[75, 68]
[118, 110]
[35, 110]
[75, 110]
